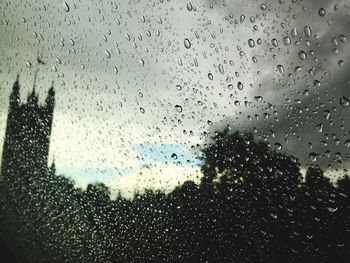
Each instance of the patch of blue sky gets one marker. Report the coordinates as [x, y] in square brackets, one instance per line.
[167, 153]
[83, 175]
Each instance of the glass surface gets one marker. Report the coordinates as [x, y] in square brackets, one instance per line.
[174, 131]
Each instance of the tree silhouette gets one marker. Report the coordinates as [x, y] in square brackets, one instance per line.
[252, 205]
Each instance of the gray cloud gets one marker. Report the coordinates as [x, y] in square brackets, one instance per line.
[111, 61]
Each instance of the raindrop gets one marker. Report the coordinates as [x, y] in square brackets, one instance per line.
[258, 98]
[242, 18]
[142, 62]
[143, 19]
[210, 76]
[278, 146]
[297, 69]
[317, 83]
[174, 156]
[344, 101]
[116, 70]
[286, 40]
[342, 38]
[189, 7]
[221, 69]
[108, 54]
[263, 7]
[274, 42]
[331, 209]
[322, 12]
[142, 110]
[307, 31]
[294, 32]
[319, 127]
[66, 7]
[251, 43]
[280, 68]
[187, 43]
[302, 55]
[326, 114]
[240, 85]
[178, 108]
[178, 87]
[313, 157]
[28, 64]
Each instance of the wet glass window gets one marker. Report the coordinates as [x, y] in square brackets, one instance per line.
[174, 131]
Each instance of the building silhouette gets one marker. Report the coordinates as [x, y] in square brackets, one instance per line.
[27, 136]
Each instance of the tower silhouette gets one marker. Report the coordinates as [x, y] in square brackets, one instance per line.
[27, 136]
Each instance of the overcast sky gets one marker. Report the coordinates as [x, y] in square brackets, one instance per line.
[140, 81]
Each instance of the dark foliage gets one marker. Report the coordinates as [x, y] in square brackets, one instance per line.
[252, 206]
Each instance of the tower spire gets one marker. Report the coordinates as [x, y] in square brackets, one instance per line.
[35, 78]
[33, 98]
[15, 97]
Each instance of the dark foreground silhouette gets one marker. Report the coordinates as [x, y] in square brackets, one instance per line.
[252, 206]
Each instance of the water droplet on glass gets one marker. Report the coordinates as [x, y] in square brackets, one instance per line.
[319, 127]
[174, 156]
[274, 42]
[280, 68]
[278, 146]
[210, 76]
[317, 83]
[28, 64]
[297, 69]
[307, 31]
[242, 18]
[313, 157]
[142, 110]
[189, 7]
[322, 12]
[344, 101]
[302, 55]
[342, 38]
[178, 108]
[221, 69]
[251, 43]
[286, 40]
[331, 209]
[66, 7]
[240, 85]
[258, 98]
[294, 32]
[108, 54]
[263, 7]
[187, 43]
[326, 114]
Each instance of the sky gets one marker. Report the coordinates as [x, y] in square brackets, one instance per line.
[140, 84]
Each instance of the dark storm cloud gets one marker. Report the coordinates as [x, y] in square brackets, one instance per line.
[145, 43]
[309, 118]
